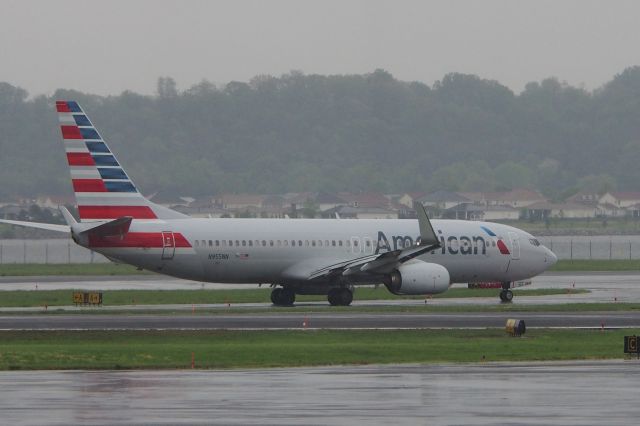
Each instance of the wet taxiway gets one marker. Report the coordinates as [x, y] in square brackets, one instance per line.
[567, 393]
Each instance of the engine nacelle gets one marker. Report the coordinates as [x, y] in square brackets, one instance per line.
[418, 277]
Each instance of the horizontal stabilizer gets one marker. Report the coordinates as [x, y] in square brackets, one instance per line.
[116, 227]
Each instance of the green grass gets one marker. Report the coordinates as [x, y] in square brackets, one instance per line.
[22, 298]
[596, 265]
[27, 350]
[35, 269]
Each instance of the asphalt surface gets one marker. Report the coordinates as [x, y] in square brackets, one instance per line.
[567, 393]
[332, 320]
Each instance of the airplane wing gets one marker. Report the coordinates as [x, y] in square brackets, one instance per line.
[385, 262]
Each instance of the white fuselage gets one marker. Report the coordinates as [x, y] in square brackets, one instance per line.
[284, 251]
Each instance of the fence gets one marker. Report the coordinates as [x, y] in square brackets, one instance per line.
[596, 247]
[566, 247]
[46, 251]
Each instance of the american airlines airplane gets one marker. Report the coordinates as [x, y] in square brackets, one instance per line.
[296, 256]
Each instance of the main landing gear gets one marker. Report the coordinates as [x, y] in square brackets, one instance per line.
[283, 296]
[506, 295]
[340, 296]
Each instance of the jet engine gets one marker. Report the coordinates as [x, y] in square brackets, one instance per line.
[418, 277]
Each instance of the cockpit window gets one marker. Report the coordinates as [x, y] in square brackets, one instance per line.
[534, 242]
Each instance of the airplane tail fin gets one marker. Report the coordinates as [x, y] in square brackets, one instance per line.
[102, 188]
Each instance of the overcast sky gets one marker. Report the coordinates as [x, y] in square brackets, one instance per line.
[106, 47]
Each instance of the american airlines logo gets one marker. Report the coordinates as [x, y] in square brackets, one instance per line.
[453, 244]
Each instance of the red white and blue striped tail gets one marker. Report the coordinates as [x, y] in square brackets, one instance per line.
[103, 190]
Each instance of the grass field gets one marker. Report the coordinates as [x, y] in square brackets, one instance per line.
[625, 265]
[54, 298]
[32, 269]
[35, 269]
[27, 350]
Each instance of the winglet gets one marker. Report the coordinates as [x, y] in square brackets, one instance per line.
[68, 217]
[427, 234]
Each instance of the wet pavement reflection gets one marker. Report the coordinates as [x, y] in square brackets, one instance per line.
[572, 393]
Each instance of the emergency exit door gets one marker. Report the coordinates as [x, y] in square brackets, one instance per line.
[168, 245]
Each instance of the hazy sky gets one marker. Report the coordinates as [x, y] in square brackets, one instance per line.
[106, 47]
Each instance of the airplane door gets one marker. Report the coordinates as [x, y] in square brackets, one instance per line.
[168, 245]
[355, 245]
[515, 245]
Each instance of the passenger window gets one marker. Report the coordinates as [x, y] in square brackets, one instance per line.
[197, 243]
[368, 243]
[293, 243]
[224, 243]
[264, 243]
[250, 243]
[313, 243]
[210, 243]
[217, 243]
[230, 243]
[271, 243]
[326, 243]
[237, 243]
[333, 243]
[299, 243]
[286, 243]
[244, 243]
[339, 243]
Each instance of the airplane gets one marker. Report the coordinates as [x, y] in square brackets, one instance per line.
[295, 256]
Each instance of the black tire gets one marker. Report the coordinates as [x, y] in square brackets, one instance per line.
[508, 296]
[332, 297]
[276, 296]
[346, 297]
[288, 297]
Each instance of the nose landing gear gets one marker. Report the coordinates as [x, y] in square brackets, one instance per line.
[506, 295]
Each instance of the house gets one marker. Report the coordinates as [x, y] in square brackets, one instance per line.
[500, 213]
[408, 198]
[443, 200]
[365, 200]
[545, 210]
[169, 199]
[348, 212]
[472, 211]
[620, 199]
[585, 197]
[516, 198]
[240, 202]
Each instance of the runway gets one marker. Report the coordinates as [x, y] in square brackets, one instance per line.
[563, 393]
[333, 320]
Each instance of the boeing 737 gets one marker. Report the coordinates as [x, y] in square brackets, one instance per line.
[295, 256]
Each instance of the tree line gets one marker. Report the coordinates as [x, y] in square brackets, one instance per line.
[357, 133]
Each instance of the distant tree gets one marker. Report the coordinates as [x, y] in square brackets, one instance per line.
[167, 88]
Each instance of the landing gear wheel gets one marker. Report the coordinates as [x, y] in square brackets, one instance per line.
[340, 296]
[276, 295]
[283, 297]
[506, 296]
